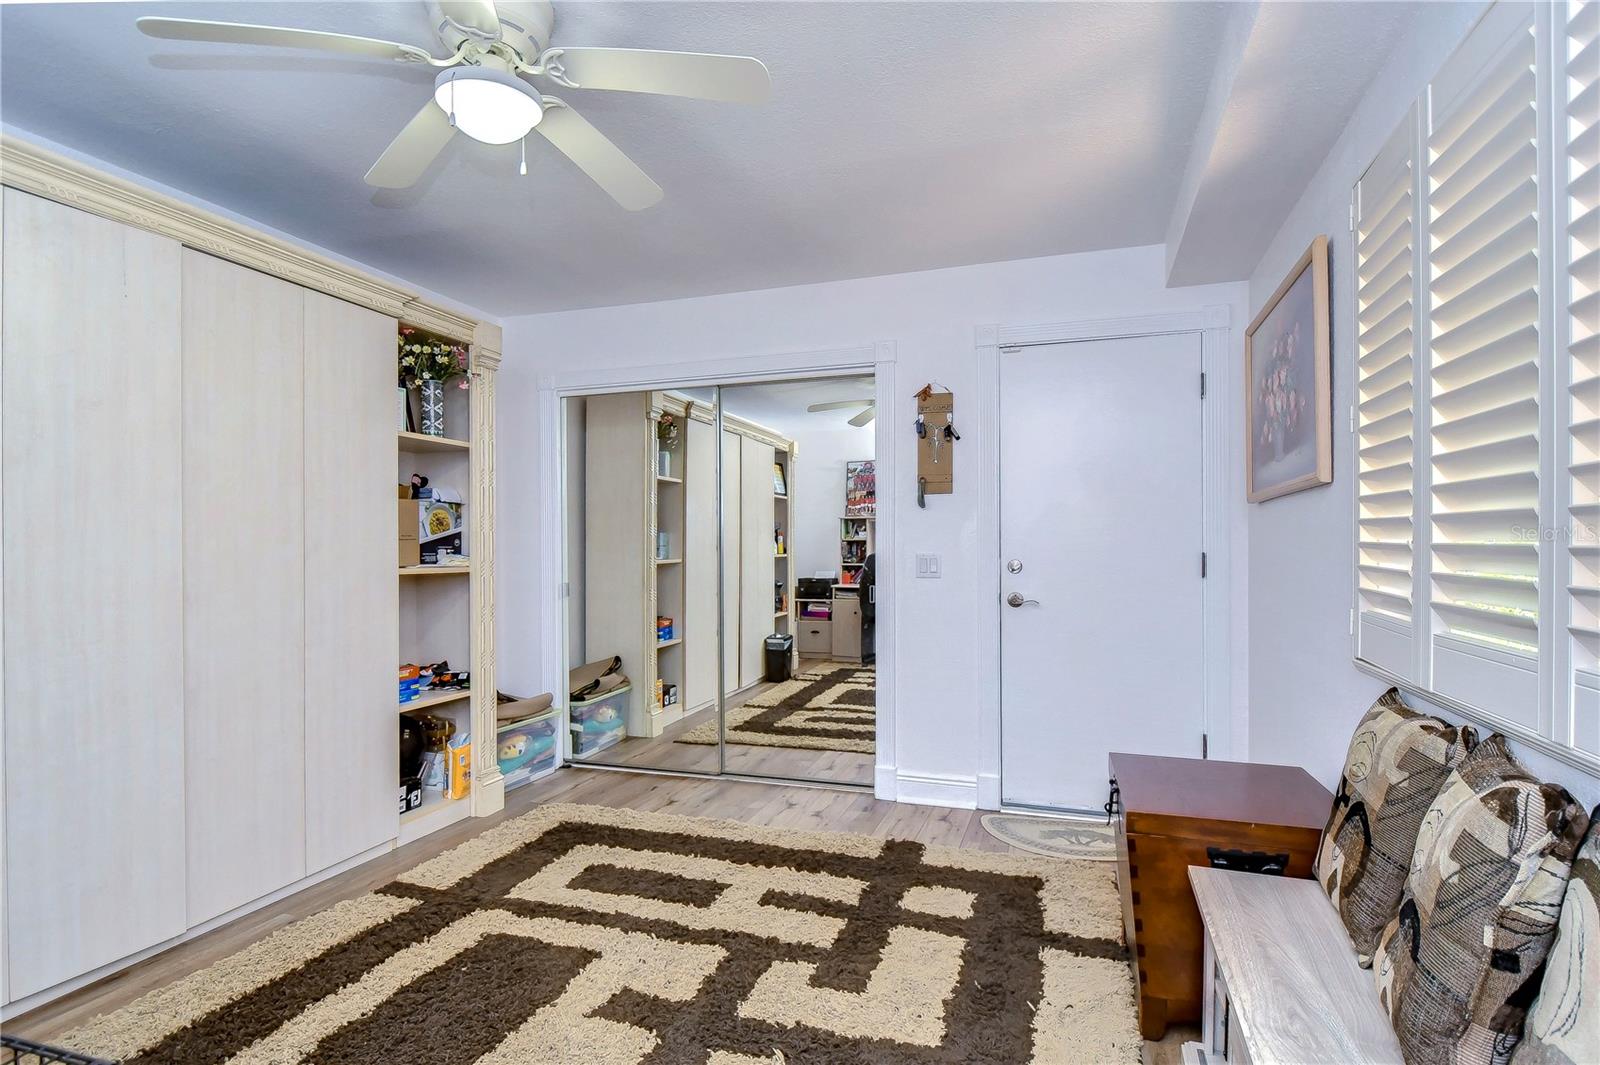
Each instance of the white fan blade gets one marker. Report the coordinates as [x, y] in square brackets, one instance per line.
[735, 78]
[844, 404]
[864, 417]
[185, 29]
[596, 156]
[411, 152]
[477, 18]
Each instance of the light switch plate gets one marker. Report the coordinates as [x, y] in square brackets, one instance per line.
[928, 567]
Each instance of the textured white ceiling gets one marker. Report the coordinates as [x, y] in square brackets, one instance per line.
[900, 136]
[781, 405]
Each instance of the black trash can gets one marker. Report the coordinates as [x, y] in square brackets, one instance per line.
[780, 647]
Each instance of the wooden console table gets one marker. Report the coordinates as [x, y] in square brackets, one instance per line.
[1178, 812]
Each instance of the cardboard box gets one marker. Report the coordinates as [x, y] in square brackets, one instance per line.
[410, 545]
[439, 525]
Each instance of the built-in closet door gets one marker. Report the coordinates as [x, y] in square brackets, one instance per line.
[699, 566]
[93, 535]
[756, 557]
[351, 595]
[731, 551]
[244, 585]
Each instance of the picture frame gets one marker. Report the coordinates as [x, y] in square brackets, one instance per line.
[861, 488]
[1288, 375]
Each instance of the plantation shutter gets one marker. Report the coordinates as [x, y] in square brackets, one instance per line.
[1385, 243]
[1483, 288]
[1581, 148]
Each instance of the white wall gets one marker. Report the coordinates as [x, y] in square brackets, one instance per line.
[819, 484]
[1305, 692]
[931, 317]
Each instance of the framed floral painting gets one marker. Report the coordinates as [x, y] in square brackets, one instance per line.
[1288, 377]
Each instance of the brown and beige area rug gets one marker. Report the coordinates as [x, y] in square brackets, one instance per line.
[832, 709]
[579, 935]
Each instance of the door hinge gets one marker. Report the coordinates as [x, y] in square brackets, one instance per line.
[1352, 621]
[1202, 565]
[1205, 745]
[1352, 417]
[1202, 386]
[1352, 218]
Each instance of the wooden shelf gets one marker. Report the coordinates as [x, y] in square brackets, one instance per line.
[668, 643]
[852, 539]
[424, 442]
[433, 699]
[853, 565]
[781, 614]
[435, 571]
[662, 478]
[669, 561]
[436, 812]
[780, 554]
[780, 495]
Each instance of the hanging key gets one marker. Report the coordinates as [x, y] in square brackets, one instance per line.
[922, 492]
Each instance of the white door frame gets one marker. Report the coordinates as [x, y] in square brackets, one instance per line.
[1216, 420]
[877, 359]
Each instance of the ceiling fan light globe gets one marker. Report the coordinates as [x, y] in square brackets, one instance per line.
[489, 105]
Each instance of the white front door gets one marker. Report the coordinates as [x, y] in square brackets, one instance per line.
[1100, 540]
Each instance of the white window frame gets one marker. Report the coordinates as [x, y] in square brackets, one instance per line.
[1556, 676]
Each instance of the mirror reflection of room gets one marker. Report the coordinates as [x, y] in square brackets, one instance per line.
[789, 612]
[810, 714]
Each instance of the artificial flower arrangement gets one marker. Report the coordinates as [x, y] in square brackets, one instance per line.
[425, 359]
[667, 432]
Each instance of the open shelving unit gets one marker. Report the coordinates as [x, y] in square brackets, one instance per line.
[666, 551]
[783, 561]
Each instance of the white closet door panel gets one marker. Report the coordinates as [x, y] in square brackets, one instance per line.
[93, 592]
[731, 552]
[756, 561]
[244, 583]
[351, 595]
[699, 566]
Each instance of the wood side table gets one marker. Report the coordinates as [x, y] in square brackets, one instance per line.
[1177, 812]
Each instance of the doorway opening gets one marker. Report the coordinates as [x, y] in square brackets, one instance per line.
[721, 562]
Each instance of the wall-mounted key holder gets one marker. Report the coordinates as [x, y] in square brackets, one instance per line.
[936, 439]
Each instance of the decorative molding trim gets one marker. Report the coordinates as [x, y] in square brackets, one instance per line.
[42, 172]
[884, 783]
[488, 786]
[1105, 328]
[921, 789]
[989, 791]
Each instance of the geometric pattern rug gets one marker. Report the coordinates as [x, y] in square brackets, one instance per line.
[599, 936]
[832, 709]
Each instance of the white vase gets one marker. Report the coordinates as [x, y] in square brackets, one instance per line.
[432, 407]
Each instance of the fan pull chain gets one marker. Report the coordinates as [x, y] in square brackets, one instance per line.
[452, 103]
[523, 169]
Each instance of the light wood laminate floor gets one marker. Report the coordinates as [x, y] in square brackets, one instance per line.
[784, 763]
[820, 808]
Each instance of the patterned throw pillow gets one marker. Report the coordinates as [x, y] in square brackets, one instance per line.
[1461, 961]
[1564, 1025]
[1397, 763]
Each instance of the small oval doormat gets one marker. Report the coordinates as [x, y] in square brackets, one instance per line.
[1056, 837]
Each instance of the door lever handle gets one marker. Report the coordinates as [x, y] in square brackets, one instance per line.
[1016, 599]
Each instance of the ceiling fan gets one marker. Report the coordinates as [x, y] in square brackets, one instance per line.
[869, 412]
[483, 87]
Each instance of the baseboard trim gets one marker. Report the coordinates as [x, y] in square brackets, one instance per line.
[989, 791]
[12, 1010]
[923, 789]
[884, 783]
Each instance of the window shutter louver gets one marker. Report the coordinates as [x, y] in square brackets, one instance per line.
[1483, 290]
[1385, 245]
[1581, 150]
